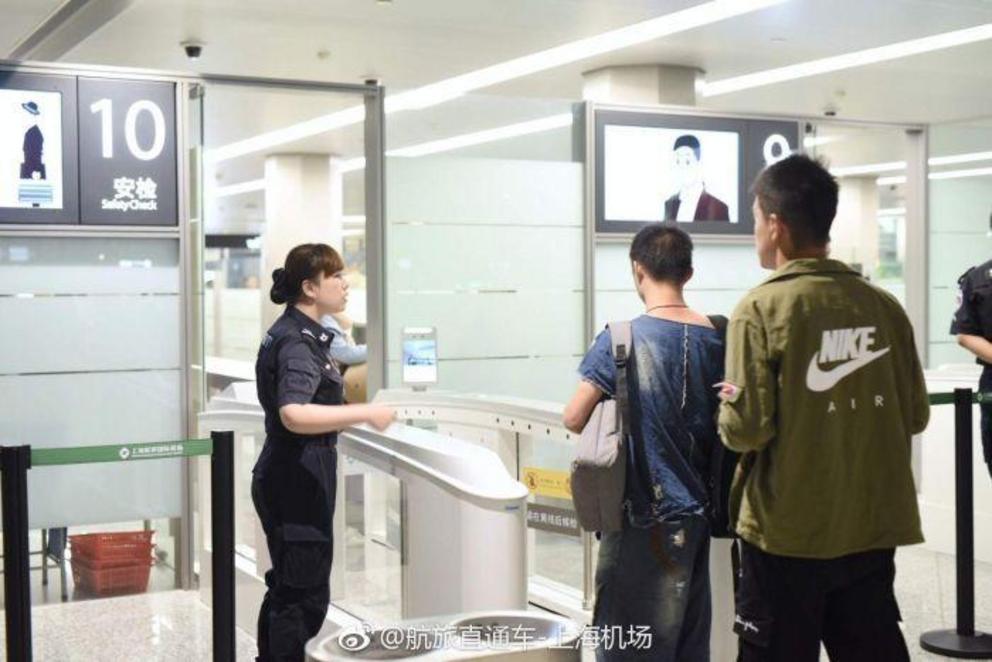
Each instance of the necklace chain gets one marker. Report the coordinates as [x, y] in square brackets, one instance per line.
[666, 305]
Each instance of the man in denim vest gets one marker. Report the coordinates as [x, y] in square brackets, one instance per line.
[655, 572]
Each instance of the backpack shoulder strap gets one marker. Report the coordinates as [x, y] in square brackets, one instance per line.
[620, 337]
[621, 345]
[719, 323]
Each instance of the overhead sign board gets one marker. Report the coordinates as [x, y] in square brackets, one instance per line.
[127, 152]
[87, 150]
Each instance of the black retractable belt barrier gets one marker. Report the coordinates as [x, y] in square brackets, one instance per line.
[222, 524]
[16, 460]
[962, 642]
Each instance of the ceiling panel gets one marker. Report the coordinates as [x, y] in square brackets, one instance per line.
[20, 18]
[408, 43]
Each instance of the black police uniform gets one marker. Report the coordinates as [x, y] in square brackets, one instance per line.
[974, 318]
[294, 485]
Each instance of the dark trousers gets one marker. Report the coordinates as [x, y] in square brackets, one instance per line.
[657, 578]
[298, 584]
[985, 386]
[786, 606]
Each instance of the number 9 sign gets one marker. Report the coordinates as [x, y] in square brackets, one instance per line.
[776, 148]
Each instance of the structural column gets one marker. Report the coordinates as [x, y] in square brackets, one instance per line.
[642, 84]
[302, 205]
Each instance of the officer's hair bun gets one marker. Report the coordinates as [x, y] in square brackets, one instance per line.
[305, 262]
[278, 293]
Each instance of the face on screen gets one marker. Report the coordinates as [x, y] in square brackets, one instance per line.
[687, 170]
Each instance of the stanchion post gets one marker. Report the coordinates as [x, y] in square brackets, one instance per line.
[16, 460]
[962, 642]
[222, 536]
[964, 511]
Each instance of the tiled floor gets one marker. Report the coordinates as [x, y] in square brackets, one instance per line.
[172, 625]
[925, 586]
[175, 625]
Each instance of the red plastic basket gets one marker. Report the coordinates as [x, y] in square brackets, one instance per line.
[113, 580]
[109, 550]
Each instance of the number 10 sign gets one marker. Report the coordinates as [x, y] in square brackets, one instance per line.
[127, 152]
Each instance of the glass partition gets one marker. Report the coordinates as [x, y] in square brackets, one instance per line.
[869, 232]
[373, 546]
[485, 243]
[275, 163]
[554, 544]
[275, 166]
[90, 354]
[960, 234]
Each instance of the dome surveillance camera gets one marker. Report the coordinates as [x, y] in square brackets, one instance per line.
[830, 110]
[193, 49]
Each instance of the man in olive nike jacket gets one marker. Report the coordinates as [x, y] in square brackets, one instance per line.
[823, 392]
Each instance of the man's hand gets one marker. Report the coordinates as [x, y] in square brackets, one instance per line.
[728, 391]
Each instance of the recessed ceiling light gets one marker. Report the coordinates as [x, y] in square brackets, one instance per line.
[817, 141]
[895, 166]
[487, 136]
[960, 158]
[529, 127]
[237, 189]
[850, 60]
[451, 88]
[868, 169]
[947, 174]
[958, 174]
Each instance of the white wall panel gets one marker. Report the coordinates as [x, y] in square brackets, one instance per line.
[489, 251]
[90, 355]
[57, 411]
[959, 239]
[447, 189]
[499, 324]
[466, 257]
[88, 266]
[542, 378]
[89, 333]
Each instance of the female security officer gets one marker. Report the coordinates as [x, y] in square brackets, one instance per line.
[295, 476]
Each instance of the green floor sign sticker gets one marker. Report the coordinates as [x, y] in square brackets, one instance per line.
[120, 453]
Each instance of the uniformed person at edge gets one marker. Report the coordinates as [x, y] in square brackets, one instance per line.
[294, 481]
[973, 326]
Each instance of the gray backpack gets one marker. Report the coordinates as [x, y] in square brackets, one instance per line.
[599, 471]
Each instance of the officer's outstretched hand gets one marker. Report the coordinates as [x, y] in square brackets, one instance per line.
[381, 417]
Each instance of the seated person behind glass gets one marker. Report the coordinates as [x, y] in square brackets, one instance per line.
[343, 349]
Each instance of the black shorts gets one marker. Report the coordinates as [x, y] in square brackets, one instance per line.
[786, 606]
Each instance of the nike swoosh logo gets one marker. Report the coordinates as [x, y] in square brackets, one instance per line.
[824, 380]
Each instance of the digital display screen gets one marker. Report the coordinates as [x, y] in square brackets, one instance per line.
[689, 170]
[419, 357]
[667, 174]
[31, 149]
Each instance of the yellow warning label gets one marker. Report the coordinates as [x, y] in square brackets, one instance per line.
[545, 482]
